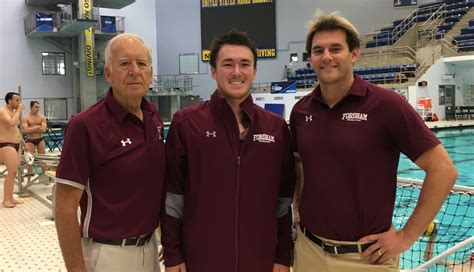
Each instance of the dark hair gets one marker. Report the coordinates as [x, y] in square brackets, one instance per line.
[9, 96]
[332, 21]
[33, 102]
[232, 37]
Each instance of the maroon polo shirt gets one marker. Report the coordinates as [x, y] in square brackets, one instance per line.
[119, 161]
[350, 157]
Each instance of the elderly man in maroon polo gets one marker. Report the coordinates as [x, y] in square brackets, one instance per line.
[113, 166]
[349, 135]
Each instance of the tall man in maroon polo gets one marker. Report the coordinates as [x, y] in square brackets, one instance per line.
[113, 165]
[349, 135]
[230, 176]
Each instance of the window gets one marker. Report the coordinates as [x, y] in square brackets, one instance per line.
[55, 109]
[53, 63]
[189, 63]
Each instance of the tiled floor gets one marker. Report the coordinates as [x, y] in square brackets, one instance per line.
[28, 239]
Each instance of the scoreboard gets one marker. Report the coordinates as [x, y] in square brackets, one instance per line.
[255, 17]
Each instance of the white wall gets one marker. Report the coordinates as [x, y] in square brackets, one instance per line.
[140, 18]
[21, 58]
[434, 78]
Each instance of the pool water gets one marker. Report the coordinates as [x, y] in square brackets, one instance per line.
[460, 146]
[456, 217]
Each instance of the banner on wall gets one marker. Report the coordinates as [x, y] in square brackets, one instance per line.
[283, 87]
[108, 24]
[255, 17]
[89, 38]
[44, 21]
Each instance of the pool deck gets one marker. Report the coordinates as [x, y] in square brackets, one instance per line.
[450, 124]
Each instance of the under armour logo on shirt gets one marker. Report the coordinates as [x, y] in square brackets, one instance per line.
[209, 134]
[309, 118]
[124, 143]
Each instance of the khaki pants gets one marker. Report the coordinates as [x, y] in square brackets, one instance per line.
[310, 257]
[104, 258]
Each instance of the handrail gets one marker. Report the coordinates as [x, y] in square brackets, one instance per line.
[172, 83]
[30, 21]
[447, 44]
[446, 253]
[440, 11]
[394, 49]
[430, 27]
[424, 63]
[411, 17]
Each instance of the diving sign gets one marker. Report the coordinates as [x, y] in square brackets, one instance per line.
[266, 53]
[86, 9]
[89, 36]
[206, 55]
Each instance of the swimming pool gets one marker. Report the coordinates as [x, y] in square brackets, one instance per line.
[460, 145]
[455, 220]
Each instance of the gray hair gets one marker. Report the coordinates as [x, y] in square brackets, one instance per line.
[108, 48]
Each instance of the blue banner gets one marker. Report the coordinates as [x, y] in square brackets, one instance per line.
[283, 87]
[107, 24]
[44, 21]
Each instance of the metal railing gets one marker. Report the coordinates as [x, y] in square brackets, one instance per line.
[30, 24]
[429, 28]
[172, 84]
[446, 253]
[404, 25]
[63, 18]
[404, 51]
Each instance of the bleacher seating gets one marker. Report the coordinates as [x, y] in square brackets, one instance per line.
[454, 10]
[465, 40]
[467, 30]
[305, 77]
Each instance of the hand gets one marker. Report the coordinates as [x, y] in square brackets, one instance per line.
[387, 244]
[20, 107]
[280, 268]
[178, 268]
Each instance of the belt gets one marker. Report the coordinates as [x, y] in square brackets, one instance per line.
[135, 241]
[333, 248]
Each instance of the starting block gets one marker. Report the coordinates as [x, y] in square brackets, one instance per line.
[50, 161]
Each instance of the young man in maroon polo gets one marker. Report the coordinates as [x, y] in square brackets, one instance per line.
[113, 166]
[230, 175]
[349, 134]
